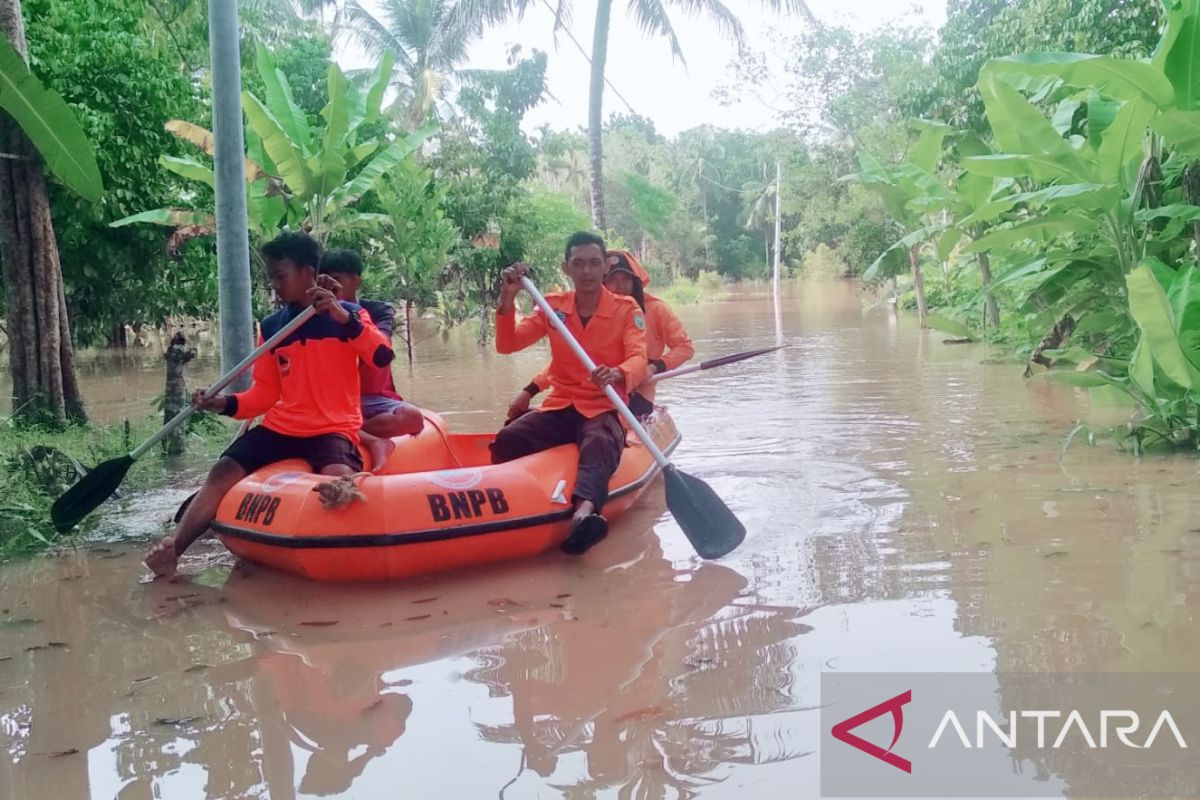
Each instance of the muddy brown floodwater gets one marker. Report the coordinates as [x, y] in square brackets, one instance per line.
[907, 509]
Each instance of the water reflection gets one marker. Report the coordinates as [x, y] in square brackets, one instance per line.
[652, 691]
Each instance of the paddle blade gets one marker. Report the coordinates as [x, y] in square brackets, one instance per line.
[84, 497]
[708, 523]
[736, 357]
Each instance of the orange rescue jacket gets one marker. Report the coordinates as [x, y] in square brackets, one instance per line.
[309, 385]
[615, 336]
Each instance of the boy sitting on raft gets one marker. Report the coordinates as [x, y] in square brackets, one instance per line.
[612, 331]
[308, 387]
[385, 413]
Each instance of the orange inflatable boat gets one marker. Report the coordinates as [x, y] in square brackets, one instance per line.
[440, 504]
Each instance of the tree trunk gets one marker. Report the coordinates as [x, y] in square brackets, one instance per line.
[1052, 341]
[991, 314]
[914, 259]
[596, 112]
[178, 354]
[408, 339]
[41, 357]
[485, 312]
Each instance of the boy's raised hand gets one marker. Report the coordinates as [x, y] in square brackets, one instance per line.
[326, 302]
[331, 283]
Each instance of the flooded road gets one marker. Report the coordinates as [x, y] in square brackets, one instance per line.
[907, 509]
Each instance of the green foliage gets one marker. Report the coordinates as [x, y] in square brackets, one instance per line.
[977, 31]
[484, 162]
[49, 123]
[123, 86]
[37, 464]
[824, 263]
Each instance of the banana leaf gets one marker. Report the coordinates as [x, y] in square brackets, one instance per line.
[50, 125]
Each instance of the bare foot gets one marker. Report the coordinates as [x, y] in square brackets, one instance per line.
[379, 450]
[162, 559]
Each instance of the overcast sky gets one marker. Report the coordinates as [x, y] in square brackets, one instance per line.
[675, 96]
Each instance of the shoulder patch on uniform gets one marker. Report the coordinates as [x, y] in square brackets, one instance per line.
[562, 315]
[640, 321]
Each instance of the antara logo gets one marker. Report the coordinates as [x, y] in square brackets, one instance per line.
[841, 731]
[1122, 723]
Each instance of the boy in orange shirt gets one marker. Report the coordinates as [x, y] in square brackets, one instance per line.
[385, 413]
[612, 331]
[668, 345]
[308, 387]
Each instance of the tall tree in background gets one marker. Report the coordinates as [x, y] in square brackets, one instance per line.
[653, 16]
[427, 38]
[41, 126]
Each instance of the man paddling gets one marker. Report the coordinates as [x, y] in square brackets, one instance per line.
[612, 331]
[668, 345]
[385, 413]
[307, 387]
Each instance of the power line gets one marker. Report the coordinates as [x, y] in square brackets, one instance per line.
[585, 54]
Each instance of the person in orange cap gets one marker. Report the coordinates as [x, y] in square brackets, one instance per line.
[612, 330]
[668, 345]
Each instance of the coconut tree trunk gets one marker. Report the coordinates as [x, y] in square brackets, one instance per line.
[596, 111]
[41, 357]
[991, 314]
[914, 259]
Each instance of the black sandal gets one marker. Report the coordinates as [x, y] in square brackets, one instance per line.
[585, 534]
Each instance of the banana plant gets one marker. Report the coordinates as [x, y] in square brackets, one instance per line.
[911, 195]
[1159, 383]
[296, 176]
[48, 122]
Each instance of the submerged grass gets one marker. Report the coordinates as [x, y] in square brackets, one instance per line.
[37, 464]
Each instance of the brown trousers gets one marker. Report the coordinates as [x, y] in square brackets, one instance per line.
[601, 440]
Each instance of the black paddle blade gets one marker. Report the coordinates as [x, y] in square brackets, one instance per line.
[736, 357]
[84, 497]
[708, 523]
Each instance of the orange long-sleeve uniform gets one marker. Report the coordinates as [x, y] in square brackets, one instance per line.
[309, 384]
[667, 343]
[615, 336]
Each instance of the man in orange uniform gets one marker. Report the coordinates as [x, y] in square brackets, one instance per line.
[667, 343]
[612, 331]
[308, 387]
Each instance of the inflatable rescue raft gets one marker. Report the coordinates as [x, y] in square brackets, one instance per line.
[440, 504]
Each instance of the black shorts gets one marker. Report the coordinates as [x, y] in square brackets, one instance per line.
[262, 446]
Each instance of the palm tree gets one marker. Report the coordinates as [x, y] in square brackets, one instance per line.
[427, 38]
[653, 16]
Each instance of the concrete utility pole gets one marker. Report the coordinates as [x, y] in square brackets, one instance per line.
[778, 220]
[233, 238]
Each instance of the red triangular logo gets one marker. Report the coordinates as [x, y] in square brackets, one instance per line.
[841, 731]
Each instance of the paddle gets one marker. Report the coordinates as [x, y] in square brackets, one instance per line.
[99, 484]
[712, 362]
[708, 523]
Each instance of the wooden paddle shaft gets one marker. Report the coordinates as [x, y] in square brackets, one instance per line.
[226, 379]
[615, 398]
